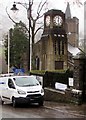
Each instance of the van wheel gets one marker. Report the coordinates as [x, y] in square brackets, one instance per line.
[14, 102]
[2, 102]
[41, 103]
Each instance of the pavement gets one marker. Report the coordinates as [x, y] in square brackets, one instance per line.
[77, 110]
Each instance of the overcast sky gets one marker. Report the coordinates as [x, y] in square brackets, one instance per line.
[6, 23]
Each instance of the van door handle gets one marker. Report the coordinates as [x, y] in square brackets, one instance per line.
[6, 88]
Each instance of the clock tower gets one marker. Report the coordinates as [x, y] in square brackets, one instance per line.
[54, 18]
[52, 47]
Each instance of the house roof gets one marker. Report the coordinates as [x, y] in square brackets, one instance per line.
[73, 50]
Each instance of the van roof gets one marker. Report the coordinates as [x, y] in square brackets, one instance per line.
[12, 74]
[16, 76]
[6, 75]
[22, 76]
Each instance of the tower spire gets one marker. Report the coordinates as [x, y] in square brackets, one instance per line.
[68, 12]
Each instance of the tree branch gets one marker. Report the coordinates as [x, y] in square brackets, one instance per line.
[22, 24]
[38, 30]
[40, 7]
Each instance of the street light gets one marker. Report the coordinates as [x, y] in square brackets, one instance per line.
[14, 9]
[8, 52]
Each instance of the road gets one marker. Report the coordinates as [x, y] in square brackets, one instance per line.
[49, 110]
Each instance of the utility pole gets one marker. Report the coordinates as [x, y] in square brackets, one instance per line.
[29, 18]
[8, 52]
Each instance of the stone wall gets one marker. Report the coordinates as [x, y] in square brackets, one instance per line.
[55, 95]
[66, 96]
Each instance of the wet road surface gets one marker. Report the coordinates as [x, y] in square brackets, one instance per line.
[49, 110]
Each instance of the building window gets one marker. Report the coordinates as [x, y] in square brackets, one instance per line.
[62, 47]
[37, 62]
[55, 47]
[58, 65]
[59, 47]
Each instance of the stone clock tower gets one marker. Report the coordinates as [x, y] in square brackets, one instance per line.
[52, 53]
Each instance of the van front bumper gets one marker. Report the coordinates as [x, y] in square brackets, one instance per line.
[30, 99]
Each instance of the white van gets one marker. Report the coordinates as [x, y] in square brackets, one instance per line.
[21, 89]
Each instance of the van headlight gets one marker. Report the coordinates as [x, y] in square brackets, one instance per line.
[42, 90]
[21, 92]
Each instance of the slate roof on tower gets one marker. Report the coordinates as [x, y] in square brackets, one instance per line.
[68, 12]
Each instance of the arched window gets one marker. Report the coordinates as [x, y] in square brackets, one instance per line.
[37, 62]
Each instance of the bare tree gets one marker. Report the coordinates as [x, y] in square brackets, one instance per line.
[75, 2]
[34, 19]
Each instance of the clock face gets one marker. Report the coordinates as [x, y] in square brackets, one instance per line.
[57, 20]
[47, 20]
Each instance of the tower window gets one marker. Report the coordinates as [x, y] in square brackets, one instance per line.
[62, 47]
[55, 46]
[59, 47]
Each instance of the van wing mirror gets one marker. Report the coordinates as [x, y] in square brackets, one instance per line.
[13, 87]
[40, 82]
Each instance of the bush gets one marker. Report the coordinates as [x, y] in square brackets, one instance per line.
[50, 78]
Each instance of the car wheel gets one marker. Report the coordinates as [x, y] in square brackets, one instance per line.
[14, 102]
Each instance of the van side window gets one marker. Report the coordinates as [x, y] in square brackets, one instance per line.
[11, 84]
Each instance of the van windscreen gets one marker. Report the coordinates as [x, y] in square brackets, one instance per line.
[26, 81]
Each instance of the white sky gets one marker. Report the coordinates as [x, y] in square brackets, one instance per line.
[6, 23]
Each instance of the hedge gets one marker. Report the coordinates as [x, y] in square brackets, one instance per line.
[50, 77]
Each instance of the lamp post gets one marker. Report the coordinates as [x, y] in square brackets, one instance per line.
[14, 9]
[8, 52]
